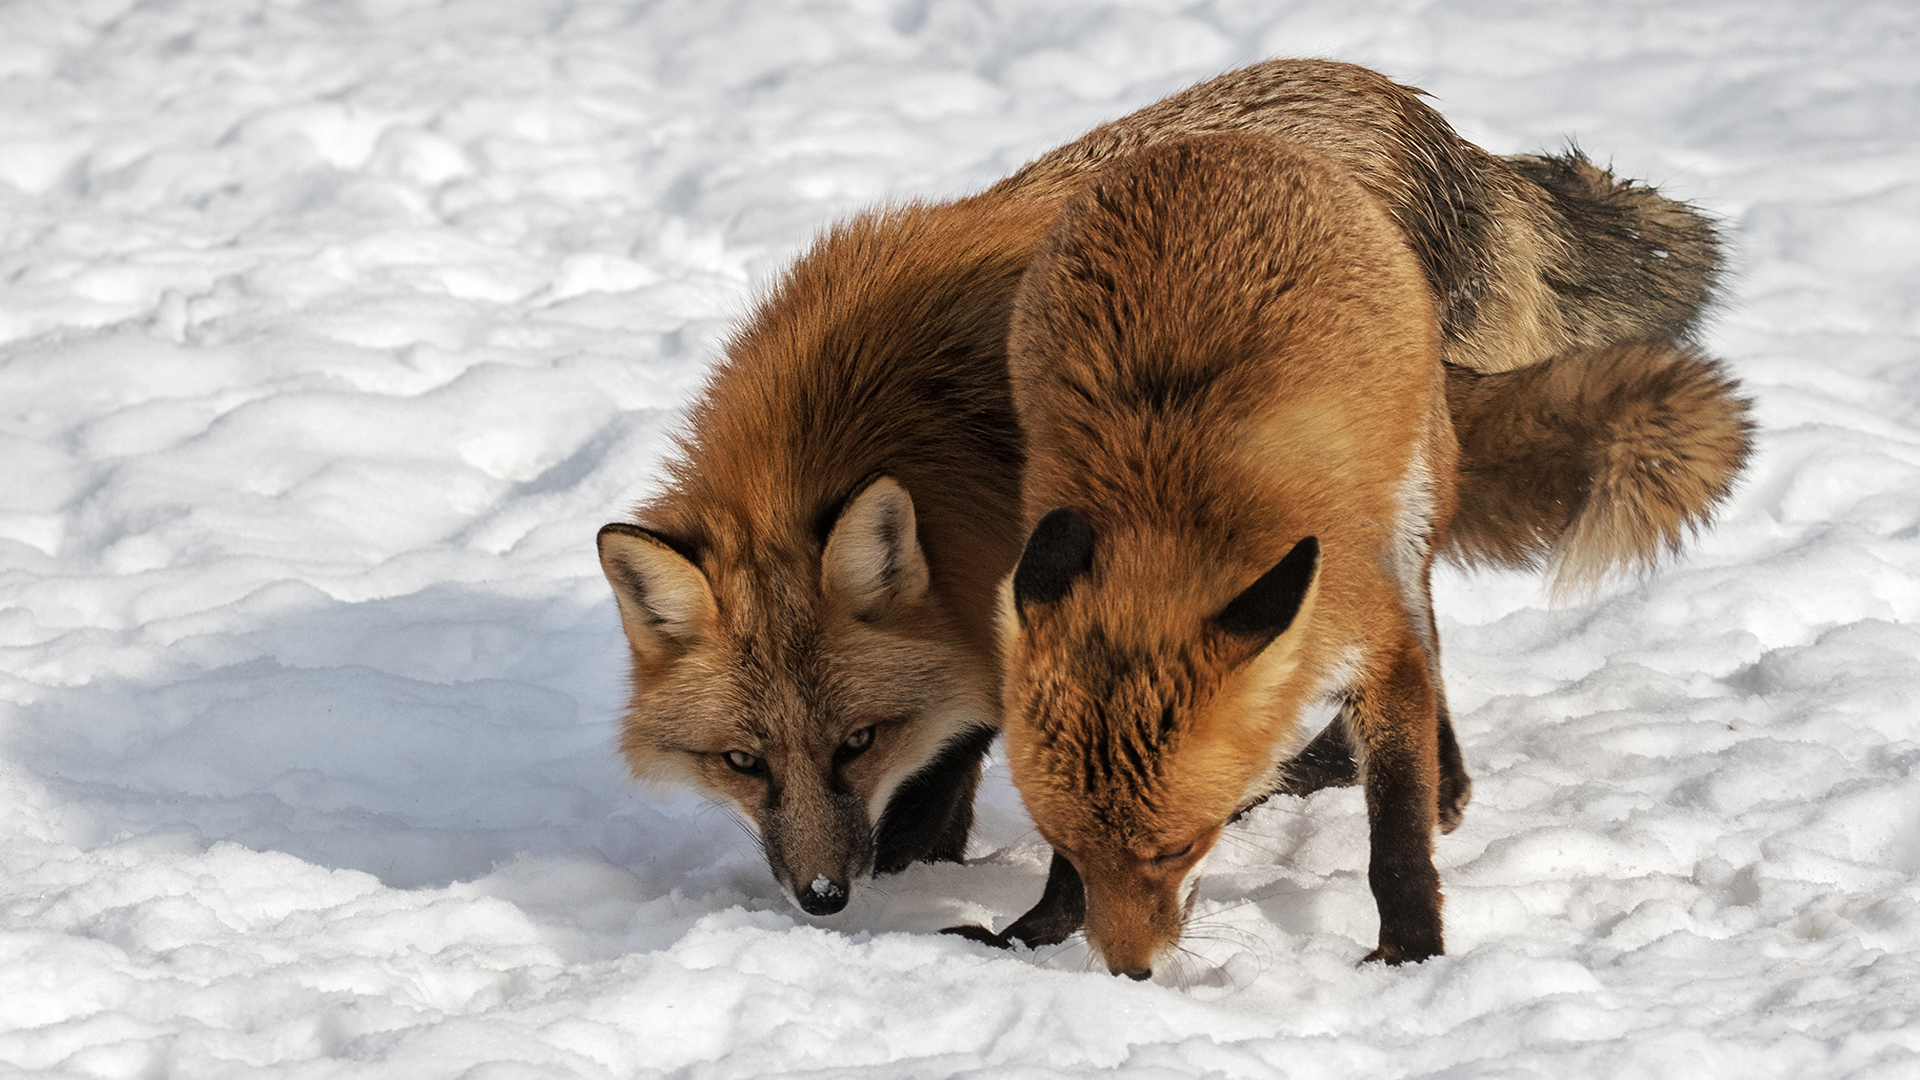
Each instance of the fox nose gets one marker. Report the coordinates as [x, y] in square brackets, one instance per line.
[824, 897]
[1138, 974]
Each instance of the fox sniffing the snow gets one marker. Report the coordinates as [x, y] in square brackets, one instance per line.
[809, 603]
[1240, 462]
[809, 606]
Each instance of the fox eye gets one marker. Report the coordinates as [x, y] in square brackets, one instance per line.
[743, 762]
[854, 745]
[1166, 857]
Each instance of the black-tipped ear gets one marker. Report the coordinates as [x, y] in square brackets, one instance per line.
[1267, 607]
[1060, 549]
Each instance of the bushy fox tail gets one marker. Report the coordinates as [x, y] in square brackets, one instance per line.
[1593, 462]
[1624, 262]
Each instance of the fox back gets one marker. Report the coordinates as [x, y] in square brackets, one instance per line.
[1535, 261]
[1227, 361]
[1528, 257]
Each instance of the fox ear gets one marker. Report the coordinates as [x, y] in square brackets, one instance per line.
[873, 558]
[1267, 607]
[1060, 550]
[664, 598]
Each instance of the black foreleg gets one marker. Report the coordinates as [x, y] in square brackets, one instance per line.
[929, 816]
[1061, 911]
[1326, 762]
[1397, 718]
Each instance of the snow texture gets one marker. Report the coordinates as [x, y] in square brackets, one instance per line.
[331, 331]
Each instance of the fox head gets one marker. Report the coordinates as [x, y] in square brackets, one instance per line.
[1147, 700]
[806, 688]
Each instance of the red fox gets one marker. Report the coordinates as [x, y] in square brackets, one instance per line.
[1240, 460]
[809, 603]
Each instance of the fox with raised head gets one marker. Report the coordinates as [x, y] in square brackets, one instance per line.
[809, 602]
[1240, 465]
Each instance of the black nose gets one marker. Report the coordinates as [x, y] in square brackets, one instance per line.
[1136, 974]
[823, 897]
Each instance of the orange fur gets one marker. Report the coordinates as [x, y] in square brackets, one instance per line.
[1533, 259]
[1224, 347]
[1528, 257]
[823, 617]
[881, 353]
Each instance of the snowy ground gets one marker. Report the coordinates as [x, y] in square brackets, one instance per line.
[330, 332]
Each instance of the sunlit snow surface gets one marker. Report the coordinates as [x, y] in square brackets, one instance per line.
[330, 332]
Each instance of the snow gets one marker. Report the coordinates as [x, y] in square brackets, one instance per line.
[330, 332]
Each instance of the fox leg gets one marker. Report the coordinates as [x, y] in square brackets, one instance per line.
[1325, 762]
[951, 844]
[930, 814]
[1456, 787]
[1396, 718]
[1328, 761]
[1061, 911]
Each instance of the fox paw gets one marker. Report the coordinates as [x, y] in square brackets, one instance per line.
[980, 934]
[1451, 812]
[1395, 955]
[1454, 793]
